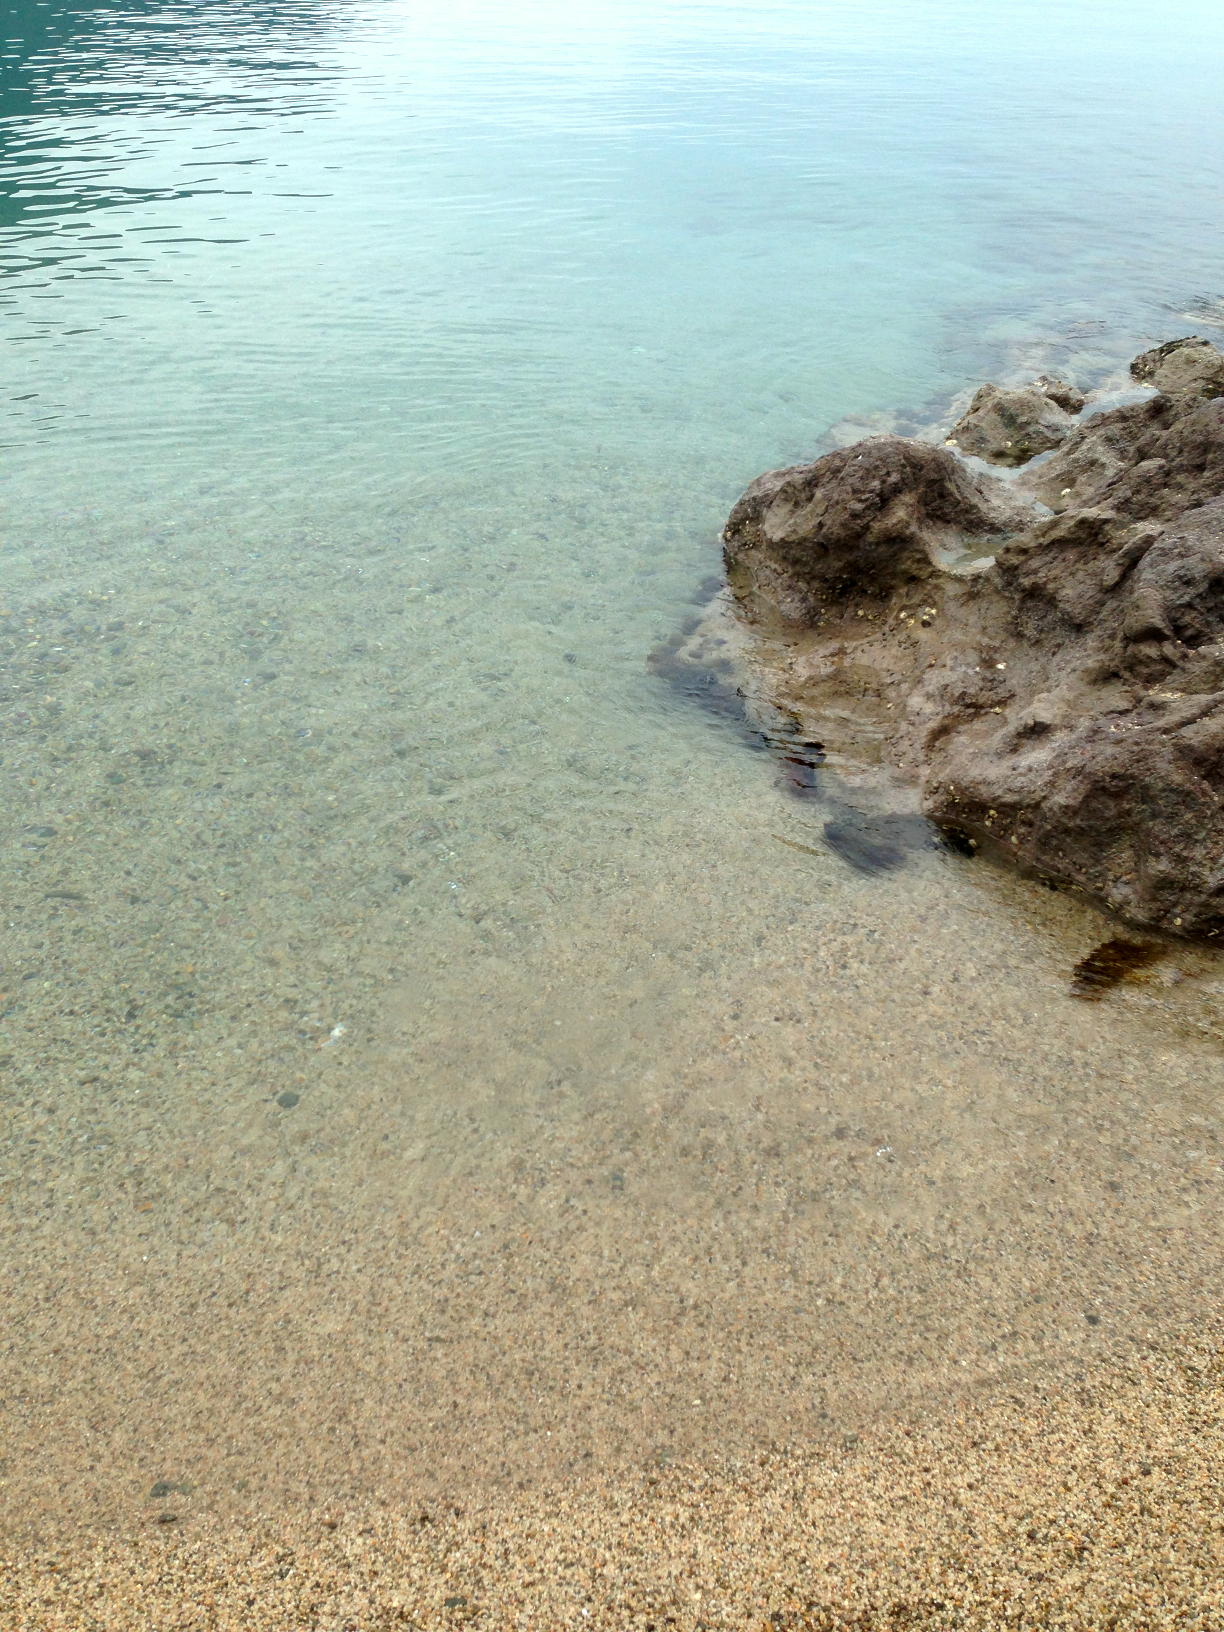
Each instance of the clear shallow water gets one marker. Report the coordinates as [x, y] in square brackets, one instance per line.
[376, 381]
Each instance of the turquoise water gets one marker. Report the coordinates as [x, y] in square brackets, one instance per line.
[377, 378]
[384, 241]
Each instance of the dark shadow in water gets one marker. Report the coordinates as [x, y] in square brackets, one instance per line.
[875, 844]
[870, 842]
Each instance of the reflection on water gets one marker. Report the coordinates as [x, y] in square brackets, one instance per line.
[432, 1049]
[82, 86]
[393, 235]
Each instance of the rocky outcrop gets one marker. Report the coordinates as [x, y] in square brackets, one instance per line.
[1150, 459]
[1066, 396]
[857, 523]
[1101, 447]
[1192, 367]
[1051, 684]
[1011, 427]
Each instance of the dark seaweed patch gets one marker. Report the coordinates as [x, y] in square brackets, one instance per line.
[1109, 963]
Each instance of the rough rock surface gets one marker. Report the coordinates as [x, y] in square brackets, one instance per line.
[1010, 427]
[1191, 365]
[1066, 396]
[858, 522]
[1099, 448]
[1063, 704]
[1152, 459]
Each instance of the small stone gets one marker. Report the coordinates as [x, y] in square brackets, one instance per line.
[288, 1099]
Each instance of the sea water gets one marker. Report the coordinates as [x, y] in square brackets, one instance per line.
[430, 1048]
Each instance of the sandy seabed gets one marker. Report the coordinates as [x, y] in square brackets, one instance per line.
[441, 1073]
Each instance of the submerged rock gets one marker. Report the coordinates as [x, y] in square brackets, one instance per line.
[1062, 702]
[870, 823]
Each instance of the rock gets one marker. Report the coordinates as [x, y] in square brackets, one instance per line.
[1121, 800]
[1010, 427]
[1063, 706]
[1066, 396]
[1098, 449]
[1155, 458]
[1174, 467]
[1191, 366]
[860, 521]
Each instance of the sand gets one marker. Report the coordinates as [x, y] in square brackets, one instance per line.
[1096, 1501]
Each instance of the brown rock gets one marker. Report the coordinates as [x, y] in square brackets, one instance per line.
[1154, 458]
[858, 522]
[1097, 450]
[1174, 468]
[1063, 706]
[1011, 427]
[1066, 396]
[1191, 366]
